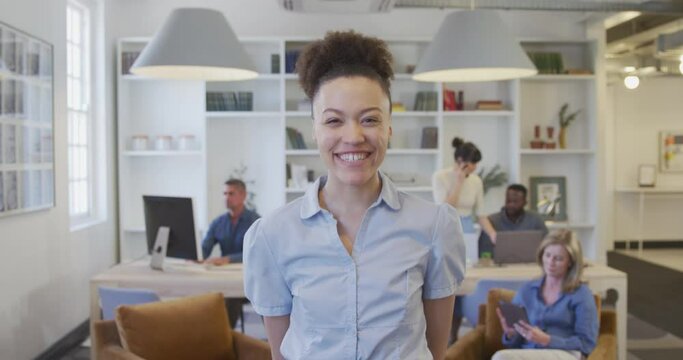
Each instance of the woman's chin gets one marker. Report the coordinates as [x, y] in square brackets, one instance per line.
[356, 178]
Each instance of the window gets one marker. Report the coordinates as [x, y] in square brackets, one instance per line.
[82, 125]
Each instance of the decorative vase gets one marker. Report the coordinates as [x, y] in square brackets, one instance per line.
[562, 137]
[550, 144]
[537, 143]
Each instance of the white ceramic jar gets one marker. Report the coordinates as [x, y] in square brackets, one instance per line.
[139, 142]
[163, 143]
[186, 142]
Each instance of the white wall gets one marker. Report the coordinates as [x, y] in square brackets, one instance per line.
[44, 268]
[639, 116]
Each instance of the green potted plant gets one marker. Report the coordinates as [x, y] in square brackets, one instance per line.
[565, 121]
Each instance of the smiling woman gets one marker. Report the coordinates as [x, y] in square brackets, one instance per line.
[354, 268]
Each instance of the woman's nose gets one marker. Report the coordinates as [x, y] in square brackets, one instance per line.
[353, 133]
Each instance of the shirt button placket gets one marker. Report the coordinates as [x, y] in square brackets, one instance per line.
[352, 324]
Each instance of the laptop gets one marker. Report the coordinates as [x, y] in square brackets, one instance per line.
[517, 247]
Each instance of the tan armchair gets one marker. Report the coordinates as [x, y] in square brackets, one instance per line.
[485, 339]
[188, 328]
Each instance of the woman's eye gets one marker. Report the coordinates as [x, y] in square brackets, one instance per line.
[371, 120]
[332, 121]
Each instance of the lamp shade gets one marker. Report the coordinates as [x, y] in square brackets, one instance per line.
[473, 46]
[195, 44]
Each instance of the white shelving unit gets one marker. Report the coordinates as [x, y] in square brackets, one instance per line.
[540, 99]
[258, 139]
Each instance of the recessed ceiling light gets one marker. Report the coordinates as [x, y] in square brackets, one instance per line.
[631, 82]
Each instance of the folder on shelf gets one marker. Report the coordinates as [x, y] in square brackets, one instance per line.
[429, 137]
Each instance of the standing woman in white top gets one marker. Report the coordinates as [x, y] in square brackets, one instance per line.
[354, 269]
[460, 187]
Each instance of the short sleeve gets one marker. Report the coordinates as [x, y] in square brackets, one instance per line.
[446, 266]
[264, 284]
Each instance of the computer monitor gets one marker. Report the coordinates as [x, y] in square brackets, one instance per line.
[176, 214]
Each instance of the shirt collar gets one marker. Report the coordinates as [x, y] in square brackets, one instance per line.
[504, 214]
[537, 283]
[311, 205]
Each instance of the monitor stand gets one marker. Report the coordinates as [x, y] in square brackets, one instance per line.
[159, 249]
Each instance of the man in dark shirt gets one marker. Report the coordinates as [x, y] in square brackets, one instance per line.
[512, 217]
[228, 232]
[228, 229]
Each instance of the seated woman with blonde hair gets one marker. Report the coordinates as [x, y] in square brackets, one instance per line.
[563, 320]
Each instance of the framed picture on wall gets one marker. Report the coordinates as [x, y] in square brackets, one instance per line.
[671, 151]
[549, 197]
[26, 123]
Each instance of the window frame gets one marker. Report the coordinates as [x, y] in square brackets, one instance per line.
[90, 79]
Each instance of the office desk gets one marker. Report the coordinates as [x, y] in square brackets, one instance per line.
[642, 192]
[192, 279]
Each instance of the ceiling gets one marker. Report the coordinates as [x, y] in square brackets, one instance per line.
[632, 26]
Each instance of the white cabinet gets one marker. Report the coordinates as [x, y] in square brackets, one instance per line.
[257, 135]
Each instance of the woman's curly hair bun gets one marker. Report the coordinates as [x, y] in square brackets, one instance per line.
[344, 53]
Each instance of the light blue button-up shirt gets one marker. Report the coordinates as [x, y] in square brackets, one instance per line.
[364, 306]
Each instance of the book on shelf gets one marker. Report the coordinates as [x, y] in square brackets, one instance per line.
[397, 107]
[245, 101]
[429, 137]
[547, 62]
[291, 56]
[489, 105]
[295, 140]
[229, 101]
[127, 60]
[426, 101]
[275, 63]
[449, 102]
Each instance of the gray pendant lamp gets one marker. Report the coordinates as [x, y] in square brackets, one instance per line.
[195, 44]
[473, 45]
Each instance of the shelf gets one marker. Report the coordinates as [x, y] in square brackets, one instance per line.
[291, 76]
[268, 77]
[144, 153]
[555, 77]
[302, 152]
[295, 190]
[315, 152]
[414, 114]
[298, 113]
[473, 113]
[134, 77]
[559, 225]
[412, 151]
[415, 188]
[556, 152]
[241, 114]
[654, 190]
[403, 76]
[135, 230]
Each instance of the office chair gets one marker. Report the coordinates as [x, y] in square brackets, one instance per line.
[471, 302]
[111, 298]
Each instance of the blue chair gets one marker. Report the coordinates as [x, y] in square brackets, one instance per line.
[111, 297]
[470, 302]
